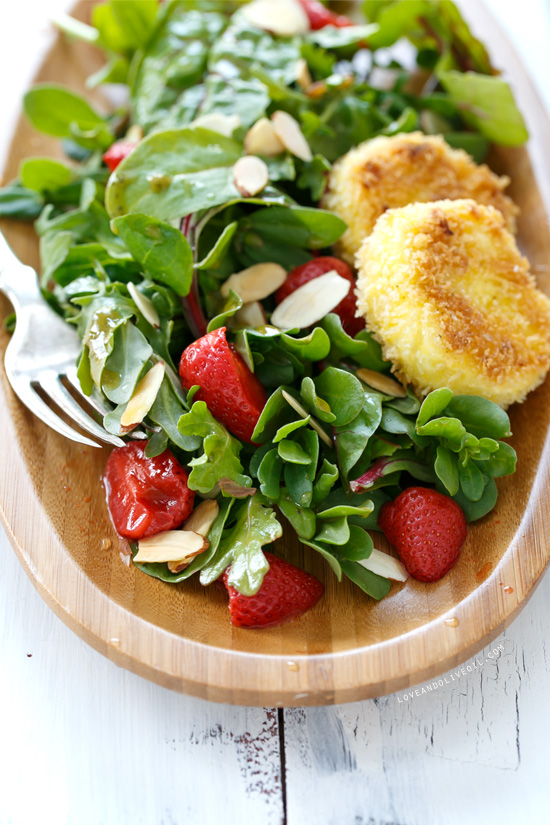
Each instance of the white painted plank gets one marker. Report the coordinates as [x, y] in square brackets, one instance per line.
[83, 742]
[474, 750]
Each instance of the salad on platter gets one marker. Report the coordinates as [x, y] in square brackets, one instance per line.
[296, 283]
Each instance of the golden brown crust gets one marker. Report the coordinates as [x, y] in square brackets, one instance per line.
[390, 172]
[446, 292]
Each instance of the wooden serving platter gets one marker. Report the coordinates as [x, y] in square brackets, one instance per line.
[348, 647]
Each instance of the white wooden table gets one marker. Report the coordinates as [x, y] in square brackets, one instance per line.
[85, 743]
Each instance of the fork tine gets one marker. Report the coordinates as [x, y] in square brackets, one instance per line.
[32, 400]
[96, 401]
[52, 386]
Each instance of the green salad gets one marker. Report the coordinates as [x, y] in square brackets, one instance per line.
[145, 220]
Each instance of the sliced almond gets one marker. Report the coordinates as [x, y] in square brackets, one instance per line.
[216, 122]
[261, 139]
[256, 282]
[291, 136]
[203, 517]
[311, 302]
[134, 133]
[173, 545]
[144, 395]
[382, 383]
[145, 306]
[303, 76]
[250, 175]
[385, 565]
[283, 17]
[304, 413]
[251, 315]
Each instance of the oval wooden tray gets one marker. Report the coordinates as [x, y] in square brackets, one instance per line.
[348, 647]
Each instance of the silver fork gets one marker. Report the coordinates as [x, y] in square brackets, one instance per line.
[42, 351]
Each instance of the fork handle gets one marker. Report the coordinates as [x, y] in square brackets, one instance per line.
[17, 281]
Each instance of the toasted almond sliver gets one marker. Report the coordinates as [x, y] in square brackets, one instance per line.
[203, 517]
[134, 133]
[385, 565]
[144, 395]
[311, 302]
[382, 383]
[262, 140]
[291, 136]
[303, 76]
[216, 122]
[283, 17]
[250, 175]
[304, 413]
[251, 315]
[173, 545]
[256, 282]
[145, 306]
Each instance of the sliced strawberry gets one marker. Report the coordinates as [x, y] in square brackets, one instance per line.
[428, 530]
[146, 495]
[286, 592]
[116, 153]
[319, 16]
[346, 309]
[232, 392]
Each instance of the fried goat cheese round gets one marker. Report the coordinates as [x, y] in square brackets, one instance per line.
[447, 294]
[389, 172]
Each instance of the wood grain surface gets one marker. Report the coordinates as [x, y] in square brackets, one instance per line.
[348, 647]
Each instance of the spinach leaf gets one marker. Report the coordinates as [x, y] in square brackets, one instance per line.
[173, 173]
[44, 174]
[16, 201]
[174, 62]
[487, 104]
[125, 364]
[57, 111]
[161, 249]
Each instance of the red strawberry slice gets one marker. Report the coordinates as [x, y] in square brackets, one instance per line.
[319, 16]
[146, 495]
[286, 592]
[346, 309]
[428, 530]
[116, 153]
[232, 392]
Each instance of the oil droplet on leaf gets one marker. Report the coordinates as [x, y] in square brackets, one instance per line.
[508, 589]
[452, 622]
[293, 666]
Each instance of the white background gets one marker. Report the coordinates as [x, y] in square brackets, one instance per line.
[85, 743]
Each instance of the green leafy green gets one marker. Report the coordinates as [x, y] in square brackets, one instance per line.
[173, 173]
[241, 547]
[220, 458]
[56, 111]
[162, 250]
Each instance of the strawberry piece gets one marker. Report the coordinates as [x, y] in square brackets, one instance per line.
[286, 592]
[116, 153]
[319, 16]
[428, 530]
[146, 495]
[346, 309]
[232, 392]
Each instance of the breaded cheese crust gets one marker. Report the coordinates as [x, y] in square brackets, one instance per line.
[446, 292]
[390, 172]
